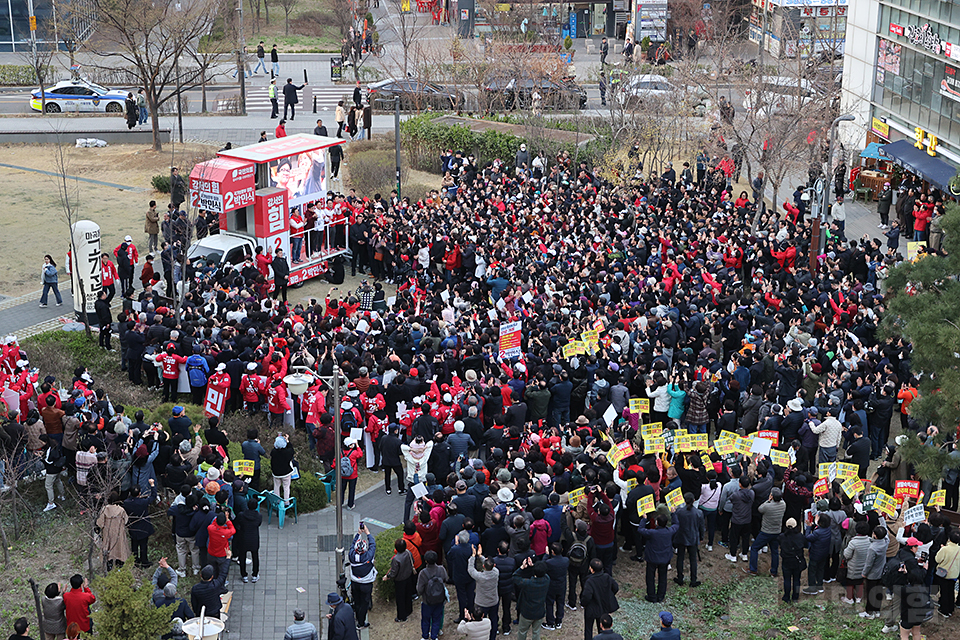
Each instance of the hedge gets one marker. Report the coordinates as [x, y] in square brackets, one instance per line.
[381, 561]
[21, 75]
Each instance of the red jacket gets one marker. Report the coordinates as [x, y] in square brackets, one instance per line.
[219, 540]
[263, 263]
[277, 397]
[171, 365]
[108, 272]
[131, 253]
[354, 454]
[77, 604]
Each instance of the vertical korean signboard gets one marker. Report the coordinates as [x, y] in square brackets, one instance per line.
[86, 266]
[271, 221]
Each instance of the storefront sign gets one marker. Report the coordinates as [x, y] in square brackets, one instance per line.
[950, 85]
[896, 29]
[952, 51]
[924, 37]
[880, 128]
[923, 140]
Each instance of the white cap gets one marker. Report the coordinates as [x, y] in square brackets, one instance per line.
[447, 397]
[251, 366]
[127, 239]
[349, 442]
[22, 363]
[221, 367]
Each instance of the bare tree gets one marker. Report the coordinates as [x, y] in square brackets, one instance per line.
[287, 6]
[40, 56]
[150, 36]
[409, 30]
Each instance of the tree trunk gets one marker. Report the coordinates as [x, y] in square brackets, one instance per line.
[36, 602]
[154, 120]
[266, 13]
[286, 21]
[203, 92]
[6, 546]
[43, 95]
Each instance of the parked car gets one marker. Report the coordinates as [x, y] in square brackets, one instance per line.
[78, 95]
[779, 95]
[644, 88]
[517, 93]
[414, 95]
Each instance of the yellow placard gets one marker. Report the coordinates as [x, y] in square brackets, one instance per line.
[780, 458]
[646, 505]
[569, 349]
[654, 445]
[682, 444]
[619, 451]
[701, 441]
[243, 467]
[847, 470]
[743, 445]
[632, 483]
[826, 469]
[576, 496]
[852, 486]
[651, 430]
[938, 498]
[727, 435]
[590, 336]
[725, 447]
[707, 462]
[639, 405]
[675, 499]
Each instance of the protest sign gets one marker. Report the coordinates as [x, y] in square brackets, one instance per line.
[576, 496]
[675, 498]
[821, 487]
[768, 434]
[243, 467]
[619, 451]
[743, 445]
[727, 435]
[780, 458]
[682, 444]
[651, 430]
[510, 339]
[654, 445]
[847, 470]
[906, 489]
[938, 498]
[914, 515]
[646, 505]
[700, 441]
[852, 486]
[761, 446]
[725, 447]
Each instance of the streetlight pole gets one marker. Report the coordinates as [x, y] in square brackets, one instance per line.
[176, 63]
[241, 71]
[828, 181]
[396, 137]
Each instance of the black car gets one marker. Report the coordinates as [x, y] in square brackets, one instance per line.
[414, 95]
[517, 93]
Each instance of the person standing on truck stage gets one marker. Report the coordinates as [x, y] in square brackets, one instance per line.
[281, 271]
[336, 156]
[260, 64]
[290, 98]
[275, 107]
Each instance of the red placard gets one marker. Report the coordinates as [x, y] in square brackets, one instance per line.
[215, 401]
[270, 213]
[907, 489]
[773, 436]
[821, 487]
[222, 184]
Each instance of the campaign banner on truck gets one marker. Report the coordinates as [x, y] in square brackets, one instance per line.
[510, 340]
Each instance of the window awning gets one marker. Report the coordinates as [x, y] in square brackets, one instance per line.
[917, 161]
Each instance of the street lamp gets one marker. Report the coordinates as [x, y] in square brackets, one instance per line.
[823, 194]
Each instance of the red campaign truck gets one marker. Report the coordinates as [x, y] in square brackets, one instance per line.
[255, 189]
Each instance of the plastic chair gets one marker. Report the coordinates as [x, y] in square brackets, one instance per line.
[327, 479]
[859, 189]
[260, 496]
[275, 503]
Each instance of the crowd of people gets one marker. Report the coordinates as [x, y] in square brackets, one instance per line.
[648, 315]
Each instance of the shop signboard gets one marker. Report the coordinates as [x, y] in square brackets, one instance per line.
[950, 85]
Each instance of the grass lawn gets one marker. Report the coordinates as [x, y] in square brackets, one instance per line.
[314, 28]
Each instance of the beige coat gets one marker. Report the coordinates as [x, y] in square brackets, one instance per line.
[151, 225]
[113, 526]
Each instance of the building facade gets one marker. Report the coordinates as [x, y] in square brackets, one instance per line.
[60, 23]
[789, 28]
[901, 75]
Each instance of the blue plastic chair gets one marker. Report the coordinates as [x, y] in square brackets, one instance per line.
[259, 496]
[327, 479]
[275, 503]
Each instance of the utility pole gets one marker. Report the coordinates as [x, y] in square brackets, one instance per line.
[241, 43]
[33, 30]
[396, 137]
[179, 99]
[763, 29]
[337, 452]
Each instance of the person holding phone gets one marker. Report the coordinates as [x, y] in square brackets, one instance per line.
[363, 574]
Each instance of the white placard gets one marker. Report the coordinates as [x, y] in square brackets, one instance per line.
[401, 409]
[444, 295]
[136, 306]
[392, 300]
[419, 490]
[610, 415]
[527, 297]
[362, 326]
[914, 515]
[501, 303]
[761, 446]
[357, 434]
[492, 314]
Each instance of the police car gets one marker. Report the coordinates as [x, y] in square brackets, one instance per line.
[79, 95]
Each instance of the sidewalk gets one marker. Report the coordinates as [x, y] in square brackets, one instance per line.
[302, 556]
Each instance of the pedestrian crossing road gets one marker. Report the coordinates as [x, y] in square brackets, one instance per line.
[258, 100]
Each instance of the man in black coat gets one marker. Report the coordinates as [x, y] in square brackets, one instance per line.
[247, 538]
[320, 130]
[390, 456]
[858, 451]
[104, 319]
[206, 593]
[290, 98]
[138, 510]
[598, 597]
[281, 271]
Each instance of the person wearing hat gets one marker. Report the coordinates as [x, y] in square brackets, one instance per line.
[351, 453]
[281, 465]
[197, 372]
[341, 625]
[363, 574]
[900, 613]
[667, 632]
[205, 595]
[793, 562]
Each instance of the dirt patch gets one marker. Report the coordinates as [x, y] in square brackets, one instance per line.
[33, 224]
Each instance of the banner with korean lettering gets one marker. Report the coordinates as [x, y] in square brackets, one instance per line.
[214, 403]
[906, 489]
[222, 184]
[510, 340]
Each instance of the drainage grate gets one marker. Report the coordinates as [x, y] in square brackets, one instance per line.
[327, 543]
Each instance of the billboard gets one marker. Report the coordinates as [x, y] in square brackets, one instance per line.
[302, 176]
[222, 184]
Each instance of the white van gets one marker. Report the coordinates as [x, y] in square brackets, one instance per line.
[779, 95]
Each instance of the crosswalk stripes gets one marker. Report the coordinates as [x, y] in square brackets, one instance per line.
[258, 99]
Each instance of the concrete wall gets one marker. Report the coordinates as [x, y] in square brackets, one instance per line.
[859, 71]
[111, 137]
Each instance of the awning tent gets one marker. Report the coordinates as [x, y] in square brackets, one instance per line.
[872, 152]
[917, 161]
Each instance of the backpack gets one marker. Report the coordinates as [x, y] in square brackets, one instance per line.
[578, 552]
[348, 421]
[195, 371]
[435, 593]
[891, 572]
[346, 466]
